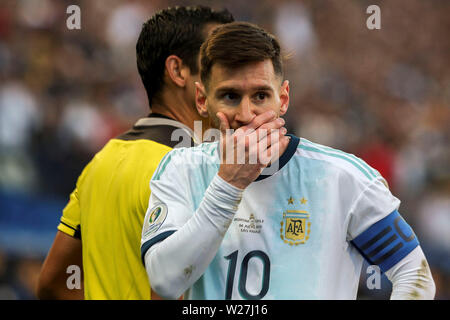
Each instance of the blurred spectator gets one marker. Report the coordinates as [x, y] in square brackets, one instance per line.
[433, 222]
[6, 290]
[294, 28]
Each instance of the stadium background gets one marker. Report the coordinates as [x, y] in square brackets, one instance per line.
[383, 95]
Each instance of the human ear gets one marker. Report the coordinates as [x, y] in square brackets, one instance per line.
[176, 70]
[284, 97]
[200, 99]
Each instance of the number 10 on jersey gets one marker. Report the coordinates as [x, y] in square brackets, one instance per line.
[233, 257]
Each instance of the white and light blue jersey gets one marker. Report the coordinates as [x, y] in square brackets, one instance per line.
[300, 233]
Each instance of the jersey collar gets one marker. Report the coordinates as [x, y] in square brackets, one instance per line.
[165, 121]
[285, 157]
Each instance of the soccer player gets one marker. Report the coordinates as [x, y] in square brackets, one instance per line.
[101, 225]
[221, 229]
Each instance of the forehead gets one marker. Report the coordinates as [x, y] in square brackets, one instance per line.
[248, 76]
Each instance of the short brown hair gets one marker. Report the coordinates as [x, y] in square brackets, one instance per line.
[236, 44]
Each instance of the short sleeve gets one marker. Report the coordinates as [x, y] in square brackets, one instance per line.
[373, 203]
[377, 229]
[169, 206]
[70, 222]
[70, 219]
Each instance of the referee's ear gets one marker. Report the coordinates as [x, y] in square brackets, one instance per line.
[177, 71]
[200, 99]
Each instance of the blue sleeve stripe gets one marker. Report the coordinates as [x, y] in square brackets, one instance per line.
[382, 246]
[388, 254]
[380, 235]
[149, 243]
[387, 241]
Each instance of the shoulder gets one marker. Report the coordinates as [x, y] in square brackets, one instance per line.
[204, 155]
[116, 150]
[346, 163]
[116, 153]
[205, 152]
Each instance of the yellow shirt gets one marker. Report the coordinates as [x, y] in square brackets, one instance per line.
[107, 208]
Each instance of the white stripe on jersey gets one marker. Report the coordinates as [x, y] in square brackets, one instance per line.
[346, 161]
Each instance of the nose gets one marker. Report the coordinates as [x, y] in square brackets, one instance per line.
[245, 113]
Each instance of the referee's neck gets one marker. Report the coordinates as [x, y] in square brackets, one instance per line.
[180, 112]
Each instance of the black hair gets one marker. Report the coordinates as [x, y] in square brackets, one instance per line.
[178, 31]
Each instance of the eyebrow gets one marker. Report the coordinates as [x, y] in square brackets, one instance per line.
[234, 89]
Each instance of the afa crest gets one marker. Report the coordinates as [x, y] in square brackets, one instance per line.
[295, 226]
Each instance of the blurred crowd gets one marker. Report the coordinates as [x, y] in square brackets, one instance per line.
[383, 95]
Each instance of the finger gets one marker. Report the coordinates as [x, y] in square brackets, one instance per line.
[263, 132]
[259, 120]
[224, 124]
[274, 124]
[252, 151]
[226, 135]
[269, 148]
[264, 137]
[274, 151]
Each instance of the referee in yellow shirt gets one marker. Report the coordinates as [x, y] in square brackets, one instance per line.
[100, 228]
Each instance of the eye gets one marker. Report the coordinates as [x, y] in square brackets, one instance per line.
[261, 96]
[230, 98]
